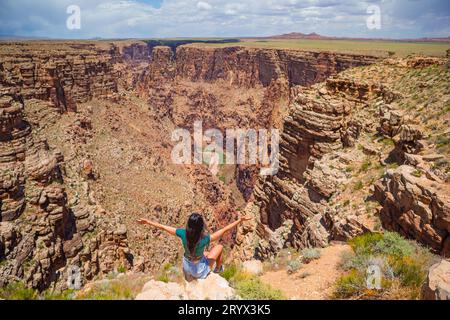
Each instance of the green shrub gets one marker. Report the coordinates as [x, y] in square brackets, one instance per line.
[350, 284]
[366, 166]
[410, 272]
[403, 265]
[18, 291]
[293, 266]
[417, 173]
[394, 244]
[388, 142]
[163, 278]
[310, 254]
[58, 295]
[358, 186]
[254, 289]
[229, 272]
[362, 245]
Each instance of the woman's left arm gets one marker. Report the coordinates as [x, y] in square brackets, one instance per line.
[168, 229]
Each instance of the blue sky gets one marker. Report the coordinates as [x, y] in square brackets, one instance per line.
[209, 18]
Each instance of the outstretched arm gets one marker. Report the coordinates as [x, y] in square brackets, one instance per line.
[219, 234]
[170, 230]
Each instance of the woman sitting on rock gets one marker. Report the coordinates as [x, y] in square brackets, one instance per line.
[197, 262]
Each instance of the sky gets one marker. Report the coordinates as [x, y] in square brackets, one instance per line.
[227, 18]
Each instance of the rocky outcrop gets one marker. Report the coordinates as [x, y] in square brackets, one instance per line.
[416, 207]
[437, 285]
[214, 287]
[293, 204]
[71, 74]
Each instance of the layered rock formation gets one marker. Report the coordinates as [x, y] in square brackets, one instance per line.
[330, 129]
[41, 236]
[171, 77]
[416, 207]
[74, 73]
[294, 204]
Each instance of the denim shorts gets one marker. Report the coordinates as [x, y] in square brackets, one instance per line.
[198, 270]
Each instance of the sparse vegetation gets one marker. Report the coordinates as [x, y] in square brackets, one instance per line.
[358, 186]
[402, 263]
[18, 291]
[417, 173]
[253, 289]
[387, 142]
[310, 254]
[366, 165]
[229, 272]
[293, 266]
[250, 286]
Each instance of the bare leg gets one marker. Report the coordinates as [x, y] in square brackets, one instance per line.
[215, 256]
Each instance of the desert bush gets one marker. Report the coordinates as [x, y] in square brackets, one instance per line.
[248, 286]
[18, 291]
[109, 291]
[253, 289]
[365, 166]
[58, 295]
[293, 266]
[229, 272]
[358, 186]
[310, 254]
[402, 263]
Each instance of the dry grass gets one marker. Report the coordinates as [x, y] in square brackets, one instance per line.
[375, 47]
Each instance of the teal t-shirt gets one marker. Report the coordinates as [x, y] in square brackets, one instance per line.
[201, 245]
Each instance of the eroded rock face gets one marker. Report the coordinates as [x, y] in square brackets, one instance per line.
[234, 67]
[40, 234]
[416, 207]
[74, 73]
[319, 124]
[214, 287]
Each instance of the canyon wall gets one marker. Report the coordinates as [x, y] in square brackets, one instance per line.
[49, 221]
[262, 79]
[332, 129]
[43, 235]
[65, 76]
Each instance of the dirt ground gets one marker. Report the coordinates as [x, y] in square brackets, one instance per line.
[314, 281]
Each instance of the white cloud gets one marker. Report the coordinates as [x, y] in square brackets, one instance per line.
[203, 5]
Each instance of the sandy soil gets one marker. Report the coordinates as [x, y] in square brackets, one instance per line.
[314, 281]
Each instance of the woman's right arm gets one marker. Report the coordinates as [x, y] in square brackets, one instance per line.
[219, 234]
[168, 229]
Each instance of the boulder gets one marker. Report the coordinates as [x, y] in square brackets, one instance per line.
[437, 286]
[214, 287]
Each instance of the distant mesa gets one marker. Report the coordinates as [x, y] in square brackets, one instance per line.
[316, 36]
[299, 35]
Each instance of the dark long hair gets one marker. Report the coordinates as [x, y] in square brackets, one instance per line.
[195, 228]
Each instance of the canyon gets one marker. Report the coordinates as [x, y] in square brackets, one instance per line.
[86, 142]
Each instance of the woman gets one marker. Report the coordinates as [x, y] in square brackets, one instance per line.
[197, 262]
